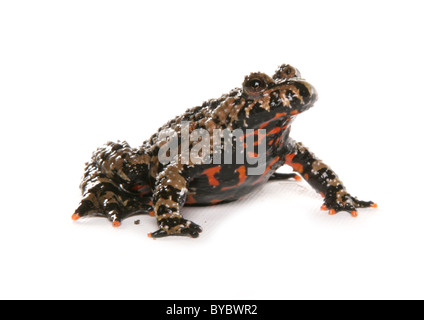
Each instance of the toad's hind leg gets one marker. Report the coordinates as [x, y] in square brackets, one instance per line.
[168, 198]
[103, 198]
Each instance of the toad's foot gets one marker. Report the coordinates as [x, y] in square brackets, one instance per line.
[177, 227]
[345, 202]
[115, 206]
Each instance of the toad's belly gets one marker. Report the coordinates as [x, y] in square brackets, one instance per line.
[224, 183]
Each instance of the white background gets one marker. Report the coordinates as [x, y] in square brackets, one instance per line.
[75, 74]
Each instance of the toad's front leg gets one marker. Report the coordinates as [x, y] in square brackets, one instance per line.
[323, 180]
[168, 199]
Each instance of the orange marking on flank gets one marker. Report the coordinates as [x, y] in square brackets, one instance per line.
[138, 187]
[243, 137]
[268, 168]
[274, 131]
[263, 125]
[242, 178]
[296, 166]
[142, 189]
[151, 213]
[294, 112]
[296, 177]
[287, 124]
[242, 174]
[260, 138]
[210, 173]
[278, 115]
[215, 201]
[190, 199]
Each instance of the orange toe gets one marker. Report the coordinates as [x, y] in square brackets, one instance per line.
[298, 178]
[374, 205]
[332, 212]
[324, 207]
[75, 216]
[354, 214]
[116, 224]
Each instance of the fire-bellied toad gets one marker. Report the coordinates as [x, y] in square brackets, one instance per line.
[121, 181]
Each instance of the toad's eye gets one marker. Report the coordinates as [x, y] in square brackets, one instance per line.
[286, 71]
[256, 83]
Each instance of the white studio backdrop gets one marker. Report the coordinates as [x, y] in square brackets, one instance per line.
[75, 74]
